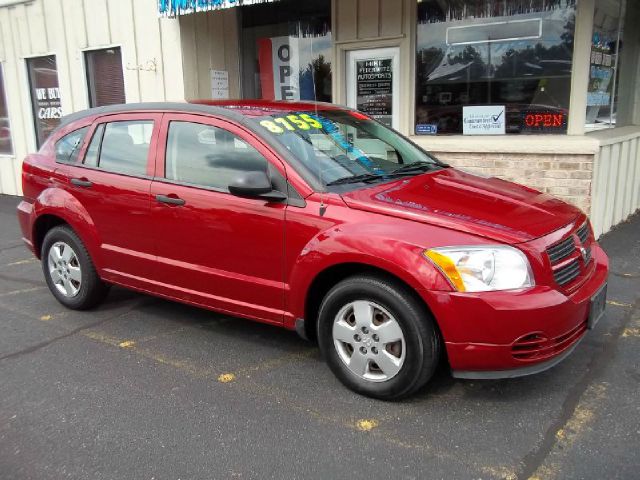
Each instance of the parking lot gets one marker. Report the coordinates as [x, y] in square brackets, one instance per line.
[142, 388]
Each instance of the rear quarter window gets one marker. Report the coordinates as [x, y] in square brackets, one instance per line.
[68, 147]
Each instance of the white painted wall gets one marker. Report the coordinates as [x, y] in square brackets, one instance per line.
[66, 28]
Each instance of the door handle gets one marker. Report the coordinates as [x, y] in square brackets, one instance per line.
[170, 200]
[81, 182]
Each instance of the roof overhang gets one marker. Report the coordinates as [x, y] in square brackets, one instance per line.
[173, 8]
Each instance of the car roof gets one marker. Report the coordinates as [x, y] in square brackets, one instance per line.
[233, 109]
[253, 108]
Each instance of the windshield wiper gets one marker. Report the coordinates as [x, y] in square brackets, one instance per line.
[414, 167]
[365, 177]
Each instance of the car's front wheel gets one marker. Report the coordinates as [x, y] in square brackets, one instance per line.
[377, 338]
[69, 271]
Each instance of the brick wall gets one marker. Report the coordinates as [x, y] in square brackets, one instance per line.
[565, 176]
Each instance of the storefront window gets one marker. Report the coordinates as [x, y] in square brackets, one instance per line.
[105, 81]
[286, 50]
[45, 95]
[606, 49]
[487, 67]
[6, 147]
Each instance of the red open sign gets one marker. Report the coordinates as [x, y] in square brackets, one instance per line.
[545, 120]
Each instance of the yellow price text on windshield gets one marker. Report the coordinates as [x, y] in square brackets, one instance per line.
[291, 123]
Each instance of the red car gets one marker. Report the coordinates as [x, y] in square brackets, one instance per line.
[316, 218]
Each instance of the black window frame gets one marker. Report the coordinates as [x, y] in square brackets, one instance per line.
[90, 76]
[41, 133]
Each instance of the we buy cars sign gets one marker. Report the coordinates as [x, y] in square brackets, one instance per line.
[279, 68]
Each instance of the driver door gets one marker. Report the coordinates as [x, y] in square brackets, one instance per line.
[213, 248]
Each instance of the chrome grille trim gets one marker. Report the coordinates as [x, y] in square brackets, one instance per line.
[561, 250]
[583, 233]
[568, 273]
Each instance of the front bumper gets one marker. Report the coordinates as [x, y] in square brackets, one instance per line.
[493, 334]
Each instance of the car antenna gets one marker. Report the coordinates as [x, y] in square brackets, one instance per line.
[323, 206]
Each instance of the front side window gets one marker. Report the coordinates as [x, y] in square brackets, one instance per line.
[6, 146]
[286, 50]
[105, 81]
[487, 67]
[208, 156]
[124, 147]
[68, 147]
[342, 147]
[45, 95]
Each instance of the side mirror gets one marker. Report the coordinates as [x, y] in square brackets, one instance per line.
[255, 184]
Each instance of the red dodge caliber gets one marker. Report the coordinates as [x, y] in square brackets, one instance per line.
[316, 218]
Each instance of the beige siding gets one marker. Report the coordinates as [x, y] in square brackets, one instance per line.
[368, 19]
[616, 178]
[210, 42]
[66, 28]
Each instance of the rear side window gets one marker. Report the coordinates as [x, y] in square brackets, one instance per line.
[208, 156]
[68, 147]
[121, 147]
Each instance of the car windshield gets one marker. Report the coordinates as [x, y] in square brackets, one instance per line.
[343, 147]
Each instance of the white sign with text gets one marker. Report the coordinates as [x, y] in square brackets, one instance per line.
[219, 84]
[483, 120]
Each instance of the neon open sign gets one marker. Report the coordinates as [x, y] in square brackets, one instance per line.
[545, 120]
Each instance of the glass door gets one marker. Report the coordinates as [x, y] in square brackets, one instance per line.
[372, 80]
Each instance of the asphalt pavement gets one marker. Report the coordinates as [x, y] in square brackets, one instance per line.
[143, 388]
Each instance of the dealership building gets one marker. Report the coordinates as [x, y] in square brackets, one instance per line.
[542, 92]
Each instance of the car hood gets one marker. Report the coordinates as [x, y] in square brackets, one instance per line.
[489, 207]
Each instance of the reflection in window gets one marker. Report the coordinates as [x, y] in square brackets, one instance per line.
[6, 147]
[286, 50]
[203, 155]
[512, 53]
[45, 95]
[125, 147]
[68, 147]
[604, 68]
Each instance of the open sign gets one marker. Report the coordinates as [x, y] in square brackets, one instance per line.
[545, 120]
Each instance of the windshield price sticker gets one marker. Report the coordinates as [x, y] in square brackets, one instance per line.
[291, 123]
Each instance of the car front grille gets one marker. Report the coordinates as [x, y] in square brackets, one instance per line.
[567, 273]
[561, 250]
[583, 233]
[570, 256]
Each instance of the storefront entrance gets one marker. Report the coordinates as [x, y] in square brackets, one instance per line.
[372, 83]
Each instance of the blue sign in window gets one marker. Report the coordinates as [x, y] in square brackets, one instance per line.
[426, 128]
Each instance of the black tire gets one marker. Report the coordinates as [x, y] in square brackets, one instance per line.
[421, 336]
[92, 289]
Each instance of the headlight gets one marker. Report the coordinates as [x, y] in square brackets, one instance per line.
[482, 269]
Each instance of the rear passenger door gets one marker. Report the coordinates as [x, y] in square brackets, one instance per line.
[112, 183]
[213, 248]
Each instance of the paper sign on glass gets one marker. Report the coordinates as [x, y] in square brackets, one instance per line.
[483, 120]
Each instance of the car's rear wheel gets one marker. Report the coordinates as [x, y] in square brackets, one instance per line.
[377, 338]
[69, 270]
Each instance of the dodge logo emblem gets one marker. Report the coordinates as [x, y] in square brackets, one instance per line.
[583, 252]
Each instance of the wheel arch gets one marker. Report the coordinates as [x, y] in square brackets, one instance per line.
[54, 207]
[41, 226]
[332, 275]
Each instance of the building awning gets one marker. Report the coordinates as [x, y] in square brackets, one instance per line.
[173, 8]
